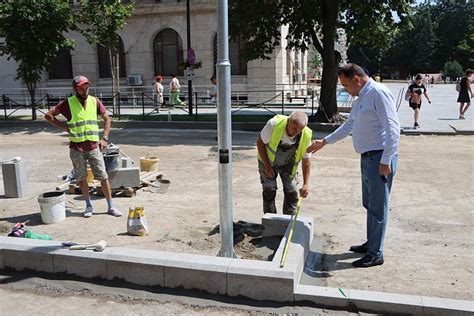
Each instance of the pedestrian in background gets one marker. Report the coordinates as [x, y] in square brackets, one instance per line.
[159, 91]
[375, 130]
[464, 98]
[414, 92]
[213, 93]
[175, 87]
[81, 111]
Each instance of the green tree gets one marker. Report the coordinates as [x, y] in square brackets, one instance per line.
[455, 32]
[312, 22]
[453, 69]
[99, 21]
[465, 48]
[34, 35]
[315, 62]
[414, 46]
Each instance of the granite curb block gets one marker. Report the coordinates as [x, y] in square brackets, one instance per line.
[260, 280]
[381, 302]
[137, 266]
[197, 272]
[323, 296]
[446, 306]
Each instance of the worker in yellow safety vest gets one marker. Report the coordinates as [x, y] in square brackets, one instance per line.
[281, 147]
[85, 145]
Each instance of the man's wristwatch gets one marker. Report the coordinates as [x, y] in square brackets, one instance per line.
[105, 138]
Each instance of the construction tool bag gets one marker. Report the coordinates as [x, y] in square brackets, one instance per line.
[136, 222]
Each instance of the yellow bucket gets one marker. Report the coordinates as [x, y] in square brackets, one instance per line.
[90, 175]
[149, 164]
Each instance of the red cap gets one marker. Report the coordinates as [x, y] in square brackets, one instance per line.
[80, 81]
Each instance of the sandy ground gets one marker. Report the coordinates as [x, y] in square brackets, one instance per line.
[429, 243]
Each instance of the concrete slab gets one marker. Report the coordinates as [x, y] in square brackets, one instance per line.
[125, 177]
[323, 296]
[197, 272]
[260, 280]
[137, 266]
[444, 129]
[381, 302]
[463, 127]
[445, 306]
[83, 263]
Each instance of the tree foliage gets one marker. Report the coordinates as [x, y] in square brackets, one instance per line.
[435, 33]
[453, 69]
[34, 35]
[259, 23]
[99, 21]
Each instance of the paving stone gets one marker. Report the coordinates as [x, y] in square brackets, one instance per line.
[446, 306]
[197, 272]
[83, 263]
[260, 280]
[323, 296]
[137, 266]
[381, 302]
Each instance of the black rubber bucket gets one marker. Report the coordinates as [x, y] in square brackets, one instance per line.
[111, 161]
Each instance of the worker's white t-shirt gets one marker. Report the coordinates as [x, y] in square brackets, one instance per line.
[266, 135]
[175, 81]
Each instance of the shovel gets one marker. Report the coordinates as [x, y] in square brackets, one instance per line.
[99, 246]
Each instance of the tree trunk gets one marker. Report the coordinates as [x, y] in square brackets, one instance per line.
[114, 71]
[327, 111]
[32, 90]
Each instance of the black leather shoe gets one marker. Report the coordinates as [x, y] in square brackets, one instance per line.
[359, 248]
[368, 261]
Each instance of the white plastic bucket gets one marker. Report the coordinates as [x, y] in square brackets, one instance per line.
[53, 209]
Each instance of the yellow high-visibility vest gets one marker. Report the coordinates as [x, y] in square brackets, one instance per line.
[83, 124]
[271, 148]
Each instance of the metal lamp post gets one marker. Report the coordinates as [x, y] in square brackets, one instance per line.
[224, 128]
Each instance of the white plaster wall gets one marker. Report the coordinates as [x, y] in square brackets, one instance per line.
[8, 75]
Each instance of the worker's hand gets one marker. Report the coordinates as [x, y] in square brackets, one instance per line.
[316, 145]
[269, 171]
[102, 144]
[304, 191]
[384, 170]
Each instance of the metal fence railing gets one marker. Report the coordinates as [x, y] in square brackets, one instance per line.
[146, 103]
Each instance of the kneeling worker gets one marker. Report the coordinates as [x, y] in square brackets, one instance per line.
[281, 146]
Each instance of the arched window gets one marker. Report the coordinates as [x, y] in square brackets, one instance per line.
[238, 66]
[103, 55]
[61, 68]
[168, 53]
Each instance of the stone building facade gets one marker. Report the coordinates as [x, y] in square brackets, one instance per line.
[153, 42]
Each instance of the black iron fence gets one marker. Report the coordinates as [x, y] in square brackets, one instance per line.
[148, 104]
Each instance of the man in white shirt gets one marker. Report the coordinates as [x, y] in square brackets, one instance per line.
[174, 91]
[375, 130]
[281, 146]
